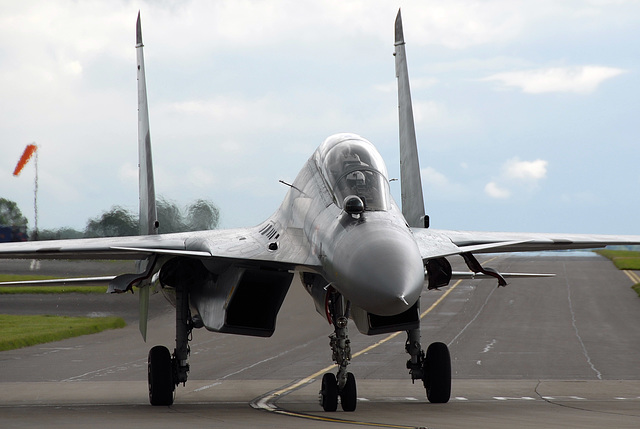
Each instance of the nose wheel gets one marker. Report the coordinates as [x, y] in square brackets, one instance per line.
[342, 385]
[330, 393]
[349, 394]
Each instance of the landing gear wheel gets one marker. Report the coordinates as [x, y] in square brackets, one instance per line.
[437, 373]
[329, 392]
[349, 394]
[160, 372]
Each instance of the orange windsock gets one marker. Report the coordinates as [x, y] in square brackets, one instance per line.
[26, 156]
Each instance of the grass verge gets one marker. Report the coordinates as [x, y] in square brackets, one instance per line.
[624, 260]
[23, 277]
[43, 289]
[24, 331]
[12, 290]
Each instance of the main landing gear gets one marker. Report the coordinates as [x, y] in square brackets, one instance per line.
[432, 367]
[343, 384]
[166, 371]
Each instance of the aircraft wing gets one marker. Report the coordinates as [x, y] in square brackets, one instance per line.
[251, 245]
[439, 243]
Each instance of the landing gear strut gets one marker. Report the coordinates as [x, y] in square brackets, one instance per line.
[343, 384]
[432, 367]
[165, 371]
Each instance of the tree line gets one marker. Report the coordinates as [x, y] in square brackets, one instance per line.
[200, 215]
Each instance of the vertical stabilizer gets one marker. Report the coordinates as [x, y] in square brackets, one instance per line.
[148, 214]
[410, 182]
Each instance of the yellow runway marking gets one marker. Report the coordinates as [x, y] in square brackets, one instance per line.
[395, 334]
[313, 376]
[635, 278]
[334, 420]
[267, 402]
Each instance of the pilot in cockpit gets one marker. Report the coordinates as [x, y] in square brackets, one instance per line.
[355, 180]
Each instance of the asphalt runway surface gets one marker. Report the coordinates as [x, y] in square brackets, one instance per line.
[547, 352]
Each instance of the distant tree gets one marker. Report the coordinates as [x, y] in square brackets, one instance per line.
[202, 215]
[170, 217]
[114, 223]
[10, 214]
[59, 234]
[198, 216]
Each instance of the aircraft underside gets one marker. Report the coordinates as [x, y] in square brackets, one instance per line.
[232, 306]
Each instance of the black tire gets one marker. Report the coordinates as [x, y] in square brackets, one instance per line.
[349, 394]
[437, 372]
[329, 392]
[160, 373]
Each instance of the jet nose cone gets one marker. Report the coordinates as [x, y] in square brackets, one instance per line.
[382, 270]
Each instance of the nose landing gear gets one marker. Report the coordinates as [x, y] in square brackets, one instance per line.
[342, 385]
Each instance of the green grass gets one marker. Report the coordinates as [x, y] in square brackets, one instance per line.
[51, 289]
[43, 289]
[23, 277]
[24, 331]
[623, 259]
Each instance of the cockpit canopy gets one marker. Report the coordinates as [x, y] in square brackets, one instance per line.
[351, 165]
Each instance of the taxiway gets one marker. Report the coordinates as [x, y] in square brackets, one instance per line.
[549, 352]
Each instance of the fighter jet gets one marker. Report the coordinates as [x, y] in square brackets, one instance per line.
[360, 256]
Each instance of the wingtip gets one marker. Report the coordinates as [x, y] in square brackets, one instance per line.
[138, 31]
[399, 32]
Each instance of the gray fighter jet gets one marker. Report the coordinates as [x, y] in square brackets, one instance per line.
[358, 254]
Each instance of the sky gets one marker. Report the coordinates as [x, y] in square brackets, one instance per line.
[527, 113]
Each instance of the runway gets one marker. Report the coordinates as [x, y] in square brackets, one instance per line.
[552, 352]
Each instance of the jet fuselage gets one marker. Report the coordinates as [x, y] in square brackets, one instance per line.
[370, 257]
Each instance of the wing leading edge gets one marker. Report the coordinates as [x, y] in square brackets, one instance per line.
[440, 243]
[245, 244]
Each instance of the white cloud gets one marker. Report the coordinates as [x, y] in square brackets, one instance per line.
[386, 87]
[525, 170]
[73, 68]
[128, 173]
[260, 112]
[436, 183]
[423, 82]
[581, 79]
[202, 177]
[495, 191]
[517, 177]
[462, 24]
[429, 112]
[67, 79]
[434, 177]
